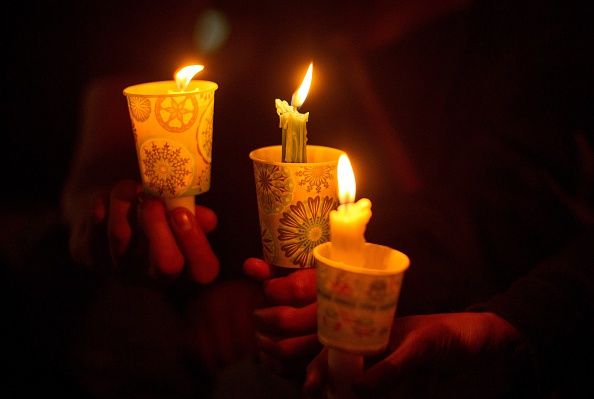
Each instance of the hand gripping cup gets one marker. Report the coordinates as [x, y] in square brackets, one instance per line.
[173, 132]
[294, 203]
[356, 305]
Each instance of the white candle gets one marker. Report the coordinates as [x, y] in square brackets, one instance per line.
[347, 237]
[293, 123]
[349, 221]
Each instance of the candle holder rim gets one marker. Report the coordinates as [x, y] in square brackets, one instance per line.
[402, 267]
[253, 156]
[132, 89]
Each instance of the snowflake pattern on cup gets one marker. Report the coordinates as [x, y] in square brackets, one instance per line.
[274, 187]
[167, 168]
[303, 227]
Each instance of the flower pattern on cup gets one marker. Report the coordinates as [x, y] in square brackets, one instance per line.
[274, 187]
[268, 246]
[315, 176]
[303, 227]
[177, 113]
[167, 168]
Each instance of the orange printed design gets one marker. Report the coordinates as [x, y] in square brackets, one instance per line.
[304, 227]
[341, 286]
[140, 108]
[204, 133]
[315, 176]
[167, 170]
[274, 187]
[377, 291]
[364, 327]
[331, 319]
[177, 113]
[268, 246]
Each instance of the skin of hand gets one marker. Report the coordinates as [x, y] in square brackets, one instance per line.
[438, 355]
[110, 220]
[136, 226]
[286, 327]
[220, 327]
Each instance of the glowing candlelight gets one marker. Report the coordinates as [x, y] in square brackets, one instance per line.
[293, 123]
[184, 76]
[300, 95]
[172, 123]
[348, 222]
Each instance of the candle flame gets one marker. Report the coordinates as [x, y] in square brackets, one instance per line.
[346, 180]
[184, 75]
[301, 94]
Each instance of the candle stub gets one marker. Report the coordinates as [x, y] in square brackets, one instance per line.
[293, 123]
[347, 232]
[294, 131]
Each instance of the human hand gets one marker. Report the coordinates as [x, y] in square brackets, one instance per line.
[286, 329]
[134, 228]
[221, 329]
[440, 355]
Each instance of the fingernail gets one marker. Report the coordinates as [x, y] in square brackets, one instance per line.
[181, 219]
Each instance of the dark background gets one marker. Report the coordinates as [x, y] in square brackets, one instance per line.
[408, 102]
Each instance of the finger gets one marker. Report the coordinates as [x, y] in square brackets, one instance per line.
[295, 347]
[287, 320]
[123, 197]
[206, 218]
[80, 243]
[164, 254]
[407, 358]
[257, 269]
[203, 264]
[296, 289]
[99, 205]
[316, 373]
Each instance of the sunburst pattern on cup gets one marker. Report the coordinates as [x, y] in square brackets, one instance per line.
[273, 187]
[167, 168]
[140, 108]
[315, 176]
[303, 227]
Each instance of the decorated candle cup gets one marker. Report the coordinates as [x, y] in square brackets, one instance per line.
[356, 305]
[173, 132]
[294, 203]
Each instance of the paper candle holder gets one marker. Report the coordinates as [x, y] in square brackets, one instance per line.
[294, 203]
[356, 305]
[173, 132]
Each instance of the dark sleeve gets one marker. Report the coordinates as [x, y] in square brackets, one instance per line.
[553, 307]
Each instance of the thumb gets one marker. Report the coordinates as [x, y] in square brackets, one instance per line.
[316, 373]
[407, 358]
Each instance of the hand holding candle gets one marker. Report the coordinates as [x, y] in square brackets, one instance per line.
[172, 122]
[358, 285]
[295, 189]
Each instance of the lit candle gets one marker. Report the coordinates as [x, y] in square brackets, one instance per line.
[172, 122]
[347, 238]
[349, 221]
[293, 123]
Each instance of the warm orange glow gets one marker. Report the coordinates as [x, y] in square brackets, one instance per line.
[301, 94]
[184, 75]
[346, 180]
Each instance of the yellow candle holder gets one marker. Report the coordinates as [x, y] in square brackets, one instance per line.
[294, 203]
[356, 305]
[173, 131]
